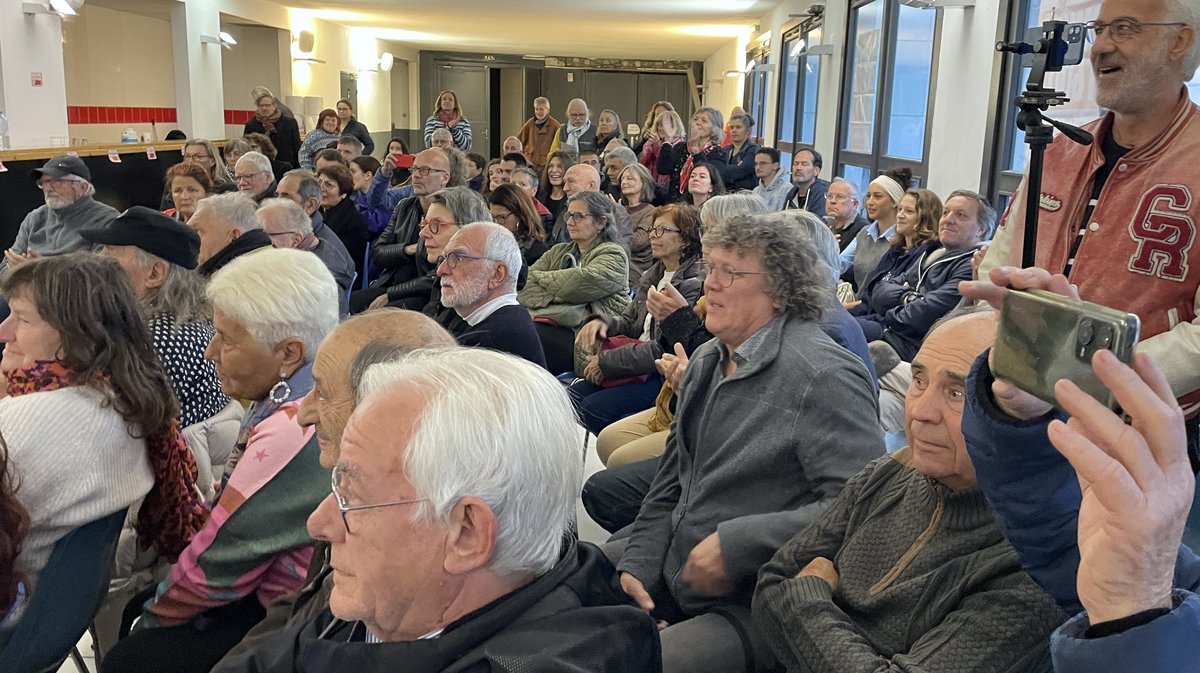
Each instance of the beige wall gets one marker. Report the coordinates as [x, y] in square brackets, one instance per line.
[721, 92]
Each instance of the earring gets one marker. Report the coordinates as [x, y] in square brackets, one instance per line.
[281, 391]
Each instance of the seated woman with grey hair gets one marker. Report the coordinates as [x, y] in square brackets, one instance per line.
[448, 209]
[270, 312]
[589, 276]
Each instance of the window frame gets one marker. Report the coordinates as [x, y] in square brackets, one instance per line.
[754, 89]
[877, 159]
[803, 30]
[999, 182]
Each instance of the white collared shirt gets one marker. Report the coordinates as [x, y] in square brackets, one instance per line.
[483, 312]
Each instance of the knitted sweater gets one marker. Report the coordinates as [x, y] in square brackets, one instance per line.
[926, 583]
[75, 461]
[48, 231]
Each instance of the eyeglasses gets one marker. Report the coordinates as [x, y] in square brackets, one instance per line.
[196, 157]
[282, 233]
[434, 225]
[426, 170]
[838, 198]
[660, 231]
[577, 217]
[54, 182]
[247, 176]
[724, 274]
[453, 259]
[336, 480]
[500, 218]
[1121, 29]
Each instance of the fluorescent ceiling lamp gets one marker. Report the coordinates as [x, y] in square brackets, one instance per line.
[62, 7]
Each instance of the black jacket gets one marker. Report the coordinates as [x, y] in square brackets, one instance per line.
[286, 137]
[509, 330]
[572, 618]
[738, 172]
[351, 229]
[388, 255]
[358, 130]
[248, 241]
[813, 202]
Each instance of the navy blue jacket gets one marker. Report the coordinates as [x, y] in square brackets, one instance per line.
[1035, 495]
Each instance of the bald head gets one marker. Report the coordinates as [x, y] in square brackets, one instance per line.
[581, 178]
[377, 336]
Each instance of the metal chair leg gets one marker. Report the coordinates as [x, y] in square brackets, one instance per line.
[79, 662]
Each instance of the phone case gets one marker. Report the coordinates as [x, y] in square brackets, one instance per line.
[1044, 337]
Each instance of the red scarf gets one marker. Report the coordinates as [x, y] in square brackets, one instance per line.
[269, 122]
[445, 116]
[686, 173]
[174, 510]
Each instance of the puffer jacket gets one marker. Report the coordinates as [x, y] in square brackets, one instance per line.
[565, 286]
[637, 359]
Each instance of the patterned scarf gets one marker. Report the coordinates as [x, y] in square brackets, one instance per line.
[270, 121]
[174, 510]
[446, 116]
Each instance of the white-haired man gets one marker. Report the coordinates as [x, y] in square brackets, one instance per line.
[288, 226]
[254, 176]
[53, 228]
[478, 274]
[578, 133]
[228, 229]
[1119, 217]
[448, 526]
[512, 144]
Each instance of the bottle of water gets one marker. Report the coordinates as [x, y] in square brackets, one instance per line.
[4, 144]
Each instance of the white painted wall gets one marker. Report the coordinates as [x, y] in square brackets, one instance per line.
[721, 92]
[32, 43]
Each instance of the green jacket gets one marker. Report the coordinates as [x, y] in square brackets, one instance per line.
[565, 288]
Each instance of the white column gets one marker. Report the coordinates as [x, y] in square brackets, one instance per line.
[33, 90]
[199, 93]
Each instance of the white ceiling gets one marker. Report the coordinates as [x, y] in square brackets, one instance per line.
[647, 29]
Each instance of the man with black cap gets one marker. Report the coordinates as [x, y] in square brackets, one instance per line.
[158, 253]
[53, 229]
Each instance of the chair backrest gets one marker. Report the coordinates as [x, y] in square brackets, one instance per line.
[67, 595]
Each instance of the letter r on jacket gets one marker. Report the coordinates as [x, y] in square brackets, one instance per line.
[1164, 231]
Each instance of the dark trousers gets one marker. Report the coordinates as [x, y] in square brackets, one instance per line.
[613, 497]
[558, 344]
[599, 407]
[194, 647]
[872, 330]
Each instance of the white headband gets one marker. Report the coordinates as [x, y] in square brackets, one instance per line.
[890, 186]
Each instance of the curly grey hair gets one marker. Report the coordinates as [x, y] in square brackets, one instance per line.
[465, 203]
[793, 274]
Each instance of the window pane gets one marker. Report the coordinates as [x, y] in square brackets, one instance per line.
[910, 83]
[787, 98]
[864, 76]
[859, 175]
[1018, 152]
[808, 108]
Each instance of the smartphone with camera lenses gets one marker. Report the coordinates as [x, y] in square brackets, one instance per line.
[1044, 337]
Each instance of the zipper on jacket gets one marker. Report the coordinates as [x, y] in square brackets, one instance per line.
[906, 559]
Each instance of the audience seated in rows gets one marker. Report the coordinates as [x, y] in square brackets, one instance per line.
[572, 281]
[290, 227]
[883, 196]
[615, 355]
[583, 177]
[513, 208]
[915, 233]
[303, 188]
[907, 569]
[270, 311]
[465, 579]
[478, 278]
[726, 497]
[76, 348]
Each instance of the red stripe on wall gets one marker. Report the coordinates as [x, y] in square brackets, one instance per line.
[83, 114]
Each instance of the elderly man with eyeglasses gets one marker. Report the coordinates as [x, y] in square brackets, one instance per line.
[772, 418]
[1119, 218]
[254, 176]
[449, 527]
[478, 274]
[53, 228]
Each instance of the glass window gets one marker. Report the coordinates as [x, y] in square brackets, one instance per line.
[864, 78]
[1018, 152]
[791, 81]
[910, 83]
[859, 175]
[811, 66]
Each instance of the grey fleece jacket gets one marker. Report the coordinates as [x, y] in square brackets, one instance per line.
[56, 232]
[755, 456]
[926, 582]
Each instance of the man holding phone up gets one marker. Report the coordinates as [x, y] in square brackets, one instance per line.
[1119, 218]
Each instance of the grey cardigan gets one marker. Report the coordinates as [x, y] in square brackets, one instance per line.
[755, 456]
